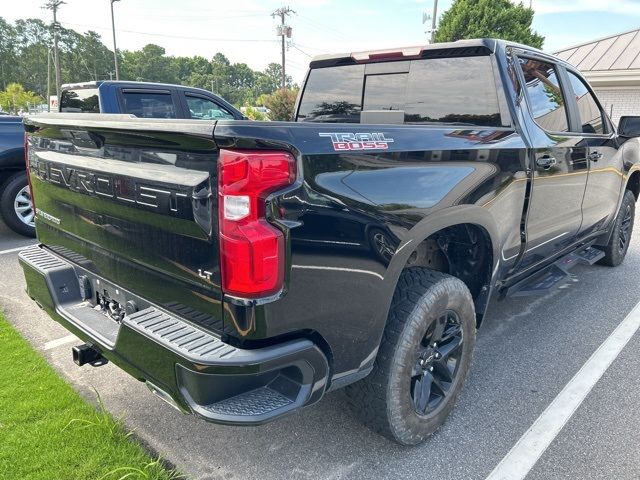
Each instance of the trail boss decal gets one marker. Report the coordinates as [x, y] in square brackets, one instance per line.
[358, 141]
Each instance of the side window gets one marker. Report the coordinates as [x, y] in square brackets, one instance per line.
[205, 109]
[149, 104]
[591, 117]
[545, 96]
[333, 94]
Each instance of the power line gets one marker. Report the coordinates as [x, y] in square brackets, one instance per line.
[201, 16]
[301, 51]
[184, 37]
[311, 48]
[323, 27]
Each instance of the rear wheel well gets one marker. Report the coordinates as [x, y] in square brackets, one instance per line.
[463, 251]
[633, 184]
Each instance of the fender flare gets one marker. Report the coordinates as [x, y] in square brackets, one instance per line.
[433, 223]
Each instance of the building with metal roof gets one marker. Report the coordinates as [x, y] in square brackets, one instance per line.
[612, 67]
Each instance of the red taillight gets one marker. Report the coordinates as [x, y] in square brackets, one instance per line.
[26, 162]
[252, 251]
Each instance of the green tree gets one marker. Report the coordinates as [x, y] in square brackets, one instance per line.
[32, 37]
[8, 53]
[270, 80]
[84, 57]
[488, 18]
[254, 114]
[15, 97]
[149, 65]
[24, 48]
[281, 103]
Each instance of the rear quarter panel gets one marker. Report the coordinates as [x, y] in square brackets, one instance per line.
[427, 178]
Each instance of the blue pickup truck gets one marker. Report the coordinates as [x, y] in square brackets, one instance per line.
[142, 99]
[146, 100]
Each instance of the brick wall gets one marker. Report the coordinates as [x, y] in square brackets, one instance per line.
[625, 101]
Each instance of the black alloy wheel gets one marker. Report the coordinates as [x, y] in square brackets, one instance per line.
[436, 367]
[621, 231]
[424, 356]
[624, 231]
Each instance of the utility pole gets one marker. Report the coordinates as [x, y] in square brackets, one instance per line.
[115, 49]
[433, 21]
[48, 79]
[53, 6]
[283, 30]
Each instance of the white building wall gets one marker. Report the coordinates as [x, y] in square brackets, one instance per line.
[625, 101]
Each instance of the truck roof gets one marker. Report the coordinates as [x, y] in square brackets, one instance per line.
[460, 46]
[130, 84]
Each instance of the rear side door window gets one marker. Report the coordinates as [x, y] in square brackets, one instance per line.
[149, 104]
[546, 101]
[591, 116]
[206, 109]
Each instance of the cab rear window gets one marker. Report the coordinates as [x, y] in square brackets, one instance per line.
[458, 90]
[81, 100]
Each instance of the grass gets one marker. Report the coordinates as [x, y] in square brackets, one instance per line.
[47, 431]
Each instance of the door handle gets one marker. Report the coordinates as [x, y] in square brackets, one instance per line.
[546, 162]
[594, 156]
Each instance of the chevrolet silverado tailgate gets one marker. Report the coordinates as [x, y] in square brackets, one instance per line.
[133, 201]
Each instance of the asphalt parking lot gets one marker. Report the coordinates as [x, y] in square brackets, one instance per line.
[527, 351]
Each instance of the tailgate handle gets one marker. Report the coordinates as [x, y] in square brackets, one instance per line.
[595, 156]
[546, 162]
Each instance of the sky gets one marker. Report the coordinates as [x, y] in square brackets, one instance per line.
[245, 31]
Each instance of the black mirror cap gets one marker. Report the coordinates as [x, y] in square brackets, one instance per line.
[629, 126]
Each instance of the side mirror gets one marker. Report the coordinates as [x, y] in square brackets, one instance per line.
[629, 126]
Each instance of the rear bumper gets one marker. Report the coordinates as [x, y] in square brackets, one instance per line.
[185, 365]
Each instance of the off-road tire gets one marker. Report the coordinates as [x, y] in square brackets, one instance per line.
[383, 399]
[616, 249]
[8, 192]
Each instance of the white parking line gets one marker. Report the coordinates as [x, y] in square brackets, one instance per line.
[528, 450]
[60, 341]
[17, 249]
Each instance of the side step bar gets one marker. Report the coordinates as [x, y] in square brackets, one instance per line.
[555, 275]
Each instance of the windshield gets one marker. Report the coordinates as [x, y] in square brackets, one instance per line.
[457, 90]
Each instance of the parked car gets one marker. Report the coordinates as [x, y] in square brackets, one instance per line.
[234, 266]
[15, 197]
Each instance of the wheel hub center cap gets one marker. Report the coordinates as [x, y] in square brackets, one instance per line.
[427, 359]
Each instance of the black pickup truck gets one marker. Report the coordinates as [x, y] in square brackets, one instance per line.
[243, 269]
